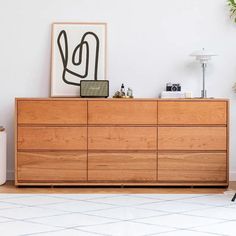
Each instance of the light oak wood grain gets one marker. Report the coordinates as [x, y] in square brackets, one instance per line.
[192, 161]
[122, 175]
[195, 112]
[52, 166]
[122, 138]
[122, 146]
[121, 99]
[192, 138]
[122, 161]
[52, 112]
[52, 138]
[190, 176]
[122, 112]
[188, 167]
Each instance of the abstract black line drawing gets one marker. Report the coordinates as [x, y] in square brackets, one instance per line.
[78, 52]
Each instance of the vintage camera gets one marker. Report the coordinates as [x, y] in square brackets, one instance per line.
[173, 87]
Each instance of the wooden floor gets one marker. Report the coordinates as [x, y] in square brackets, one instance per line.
[10, 188]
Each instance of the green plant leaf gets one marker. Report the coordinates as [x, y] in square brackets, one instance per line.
[232, 5]
[232, 2]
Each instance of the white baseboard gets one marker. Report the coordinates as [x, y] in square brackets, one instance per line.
[11, 175]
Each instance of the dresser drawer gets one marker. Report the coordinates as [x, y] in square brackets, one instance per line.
[52, 138]
[122, 175]
[52, 112]
[192, 161]
[192, 112]
[192, 138]
[192, 167]
[122, 138]
[122, 166]
[122, 161]
[192, 176]
[122, 112]
[52, 166]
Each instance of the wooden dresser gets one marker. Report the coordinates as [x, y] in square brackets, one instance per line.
[122, 142]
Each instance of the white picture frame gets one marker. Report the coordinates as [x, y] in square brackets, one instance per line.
[79, 52]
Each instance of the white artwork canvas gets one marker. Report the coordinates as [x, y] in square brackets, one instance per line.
[78, 53]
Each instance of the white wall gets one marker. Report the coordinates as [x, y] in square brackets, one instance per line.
[149, 42]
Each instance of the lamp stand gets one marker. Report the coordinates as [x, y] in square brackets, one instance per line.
[204, 92]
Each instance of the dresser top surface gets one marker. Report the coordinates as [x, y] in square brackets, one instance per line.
[119, 99]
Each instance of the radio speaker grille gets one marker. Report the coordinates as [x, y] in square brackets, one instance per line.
[94, 88]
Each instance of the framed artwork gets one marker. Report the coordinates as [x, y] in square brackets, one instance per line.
[78, 53]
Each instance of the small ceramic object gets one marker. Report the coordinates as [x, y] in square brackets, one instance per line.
[130, 93]
[117, 94]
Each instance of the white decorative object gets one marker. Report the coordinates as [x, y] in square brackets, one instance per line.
[170, 94]
[188, 95]
[3, 161]
[203, 57]
[78, 53]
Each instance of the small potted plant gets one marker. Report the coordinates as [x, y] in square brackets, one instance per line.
[232, 5]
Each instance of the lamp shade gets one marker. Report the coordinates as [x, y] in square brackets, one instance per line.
[202, 55]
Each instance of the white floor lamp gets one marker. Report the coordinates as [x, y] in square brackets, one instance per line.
[203, 57]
